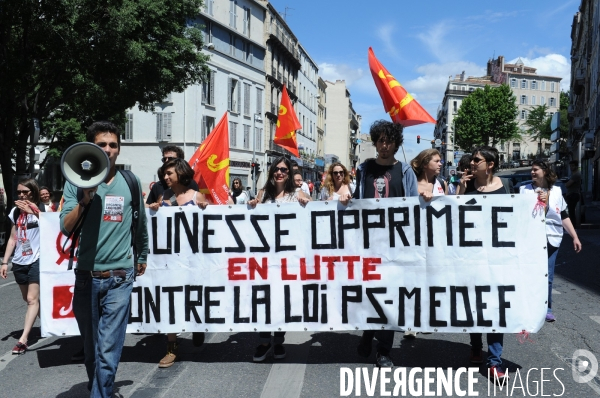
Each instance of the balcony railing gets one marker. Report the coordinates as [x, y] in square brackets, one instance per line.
[457, 92]
[273, 71]
[274, 109]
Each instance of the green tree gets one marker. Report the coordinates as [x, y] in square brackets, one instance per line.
[487, 117]
[68, 62]
[538, 125]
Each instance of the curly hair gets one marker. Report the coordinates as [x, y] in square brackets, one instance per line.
[418, 164]
[270, 190]
[392, 132]
[549, 174]
[328, 184]
[184, 172]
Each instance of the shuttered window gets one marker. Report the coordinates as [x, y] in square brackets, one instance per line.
[163, 126]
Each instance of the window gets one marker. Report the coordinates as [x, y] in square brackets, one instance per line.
[513, 83]
[208, 32]
[552, 84]
[523, 114]
[454, 106]
[543, 86]
[533, 100]
[231, 44]
[232, 134]
[534, 85]
[163, 126]
[129, 128]
[208, 124]
[552, 101]
[208, 89]
[234, 96]
[258, 138]
[232, 13]
[208, 6]
[247, 21]
[523, 100]
[523, 83]
[259, 99]
[543, 101]
[246, 99]
[249, 51]
[246, 136]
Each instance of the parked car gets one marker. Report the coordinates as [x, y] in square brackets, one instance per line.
[514, 163]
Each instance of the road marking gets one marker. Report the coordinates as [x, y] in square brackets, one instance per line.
[8, 284]
[9, 356]
[286, 379]
[555, 291]
[595, 318]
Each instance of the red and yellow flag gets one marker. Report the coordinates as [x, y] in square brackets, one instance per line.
[401, 106]
[287, 124]
[211, 164]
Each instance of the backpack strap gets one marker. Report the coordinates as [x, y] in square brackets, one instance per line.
[442, 183]
[134, 188]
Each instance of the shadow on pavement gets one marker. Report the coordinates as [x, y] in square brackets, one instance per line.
[80, 390]
[580, 268]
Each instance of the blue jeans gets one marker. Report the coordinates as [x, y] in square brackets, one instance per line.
[101, 308]
[495, 342]
[552, 254]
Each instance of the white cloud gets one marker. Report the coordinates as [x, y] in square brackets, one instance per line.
[333, 72]
[386, 35]
[551, 65]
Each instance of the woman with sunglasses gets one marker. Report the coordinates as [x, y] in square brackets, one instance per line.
[552, 203]
[25, 241]
[238, 194]
[177, 176]
[279, 188]
[482, 181]
[337, 184]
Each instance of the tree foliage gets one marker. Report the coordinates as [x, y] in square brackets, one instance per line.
[538, 125]
[68, 62]
[486, 117]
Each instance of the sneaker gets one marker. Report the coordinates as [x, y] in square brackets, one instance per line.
[476, 356]
[278, 351]
[384, 361]
[365, 346]
[20, 348]
[261, 352]
[78, 356]
[410, 335]
[171, 356]
[550, 317]
[497, 375]
[198, 338]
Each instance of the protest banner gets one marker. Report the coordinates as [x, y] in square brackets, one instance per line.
[456, 264]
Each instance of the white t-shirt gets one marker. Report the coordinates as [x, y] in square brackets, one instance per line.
[242, 198]
[556, 205]
[305, 189]
[438, 188]
[27, 249]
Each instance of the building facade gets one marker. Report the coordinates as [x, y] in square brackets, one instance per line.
[583, 141]
[236, 85]
[343, 127]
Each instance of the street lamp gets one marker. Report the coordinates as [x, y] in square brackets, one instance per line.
[257, 118]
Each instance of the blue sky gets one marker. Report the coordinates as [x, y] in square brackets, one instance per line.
[423, 42]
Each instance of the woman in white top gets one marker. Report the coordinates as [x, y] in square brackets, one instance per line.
[279, 188]
[337, 184]
[551, 201]
[237, 193]
[427, 166]
[25, 240]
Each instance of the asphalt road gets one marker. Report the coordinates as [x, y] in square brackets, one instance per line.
[223, 367]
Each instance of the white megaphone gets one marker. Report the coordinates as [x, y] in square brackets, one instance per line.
[85, 165]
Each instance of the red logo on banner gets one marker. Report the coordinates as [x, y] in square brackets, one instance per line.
[64, 254]
[62, 302]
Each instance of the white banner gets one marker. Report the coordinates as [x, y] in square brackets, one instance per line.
[457, 264]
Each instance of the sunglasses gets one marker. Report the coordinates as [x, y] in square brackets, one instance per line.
[338, 173]
[167, 158]
[19, 192]
[477, 160]
[283, 170]
[113, 145]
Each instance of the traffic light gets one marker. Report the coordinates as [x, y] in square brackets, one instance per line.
[252, 168]
[257, 166]
[418, 139]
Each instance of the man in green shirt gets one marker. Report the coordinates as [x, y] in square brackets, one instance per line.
[105, 262]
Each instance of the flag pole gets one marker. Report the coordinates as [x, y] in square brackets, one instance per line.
[404, 153]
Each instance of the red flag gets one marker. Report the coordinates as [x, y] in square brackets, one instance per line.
[401, 106]
[287, 124]
[211, 164]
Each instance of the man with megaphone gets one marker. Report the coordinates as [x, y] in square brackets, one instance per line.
[100, 208]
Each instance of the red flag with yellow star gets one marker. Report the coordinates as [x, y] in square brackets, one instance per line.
[287, 124]
[401, 106]
[211, 164]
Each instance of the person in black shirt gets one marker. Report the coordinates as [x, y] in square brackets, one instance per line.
[383, 177]
[169, 152]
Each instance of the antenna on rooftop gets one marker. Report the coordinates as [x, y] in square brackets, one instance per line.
[285, 13]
